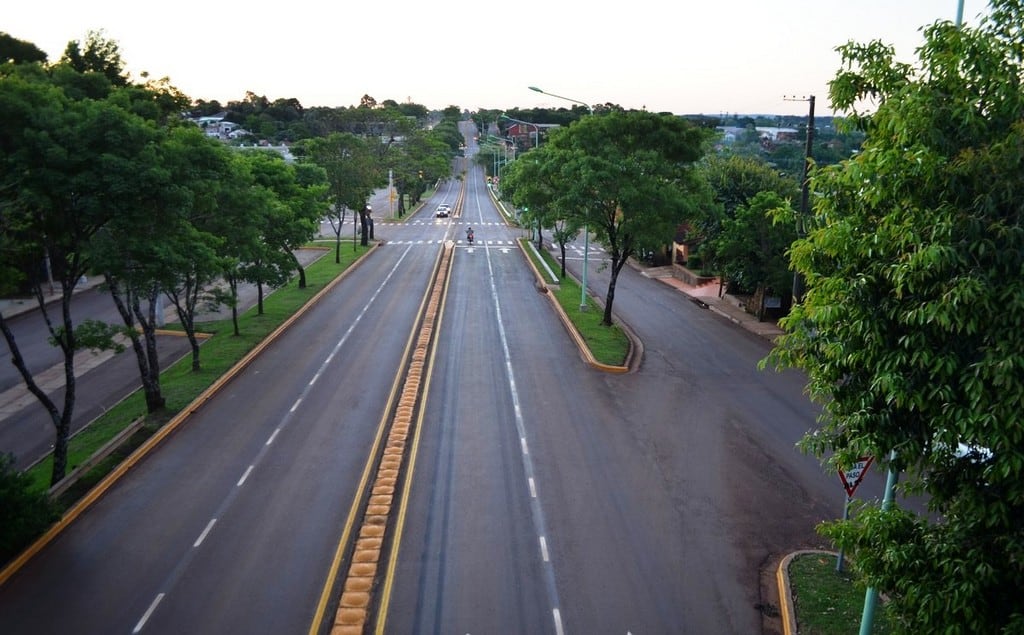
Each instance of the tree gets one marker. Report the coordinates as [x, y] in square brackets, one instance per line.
[628, 177]
[195, 244]
[737, 249]
[19, 51]
[300, 193]
[24, 512]
[752, 246]
[98, 55]
[127, 252]
[352, 174]
[911, 328]
[67, 166]
[131, 250]
[528, 190]
[278, 221]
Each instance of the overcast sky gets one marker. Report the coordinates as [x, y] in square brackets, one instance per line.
[727, 56]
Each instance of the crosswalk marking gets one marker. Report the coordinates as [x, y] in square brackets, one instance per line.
[476, 243]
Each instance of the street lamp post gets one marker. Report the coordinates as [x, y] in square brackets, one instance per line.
[798, 282]
[586, 225]
[504, 146]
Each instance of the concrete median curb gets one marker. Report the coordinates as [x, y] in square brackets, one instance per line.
[787, 608]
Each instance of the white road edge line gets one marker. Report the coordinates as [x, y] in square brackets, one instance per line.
[205, 533]
[273, 436]
[558, 622]
[536, 512]
[149, 612]
[244, 476]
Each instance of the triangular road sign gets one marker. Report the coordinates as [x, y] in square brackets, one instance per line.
[852, 477]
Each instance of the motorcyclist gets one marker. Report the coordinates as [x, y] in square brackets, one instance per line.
[469, 234]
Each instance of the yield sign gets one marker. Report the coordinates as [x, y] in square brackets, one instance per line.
[852, 477]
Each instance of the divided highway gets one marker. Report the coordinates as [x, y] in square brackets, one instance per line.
[540, 495]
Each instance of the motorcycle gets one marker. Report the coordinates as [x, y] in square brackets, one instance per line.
[469, 236]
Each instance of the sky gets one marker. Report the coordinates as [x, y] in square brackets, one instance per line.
[728, 56]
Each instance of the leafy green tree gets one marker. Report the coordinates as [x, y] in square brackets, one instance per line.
[99, 55]
[194, 246]
[127, 252]
[420, 158]
[722, 239]
[628, 177]
[130, 250]
[353, 172]
[287, 216]
[752, 247]
[301, 190]
[528, 189]
[19, 51]
[448, 133]
[911, 329]
[24, 513]
[67, 166]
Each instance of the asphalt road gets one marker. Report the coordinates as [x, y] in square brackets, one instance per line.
[547, 496]
[103, 378]
[230, 525]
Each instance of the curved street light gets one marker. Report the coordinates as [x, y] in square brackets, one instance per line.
[586, 225]
[575, 101]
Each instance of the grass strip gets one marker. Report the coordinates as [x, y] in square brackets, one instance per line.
[828, 602]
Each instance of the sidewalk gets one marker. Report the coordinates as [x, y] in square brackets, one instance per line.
[10, 307]
[707, 296]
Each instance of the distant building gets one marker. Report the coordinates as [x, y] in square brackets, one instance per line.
[528, 135]
[218, 127]
[767, 134]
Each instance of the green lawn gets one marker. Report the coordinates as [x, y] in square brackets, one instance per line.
[827, 602]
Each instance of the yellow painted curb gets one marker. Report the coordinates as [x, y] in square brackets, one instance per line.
[786, 609]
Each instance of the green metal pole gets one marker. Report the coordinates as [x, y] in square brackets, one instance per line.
[871, 596]
[846, 516]
[586, 254]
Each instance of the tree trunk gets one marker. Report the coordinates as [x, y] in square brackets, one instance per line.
[146, 356]
[300, 269]
[233, 285]
[363, 229]
[617, 262]
[51, 408]
[151, 379]
[184, 301]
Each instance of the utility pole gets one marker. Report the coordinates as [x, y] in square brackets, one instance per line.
[798, 281]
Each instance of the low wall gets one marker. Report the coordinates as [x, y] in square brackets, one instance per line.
[689, 277]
